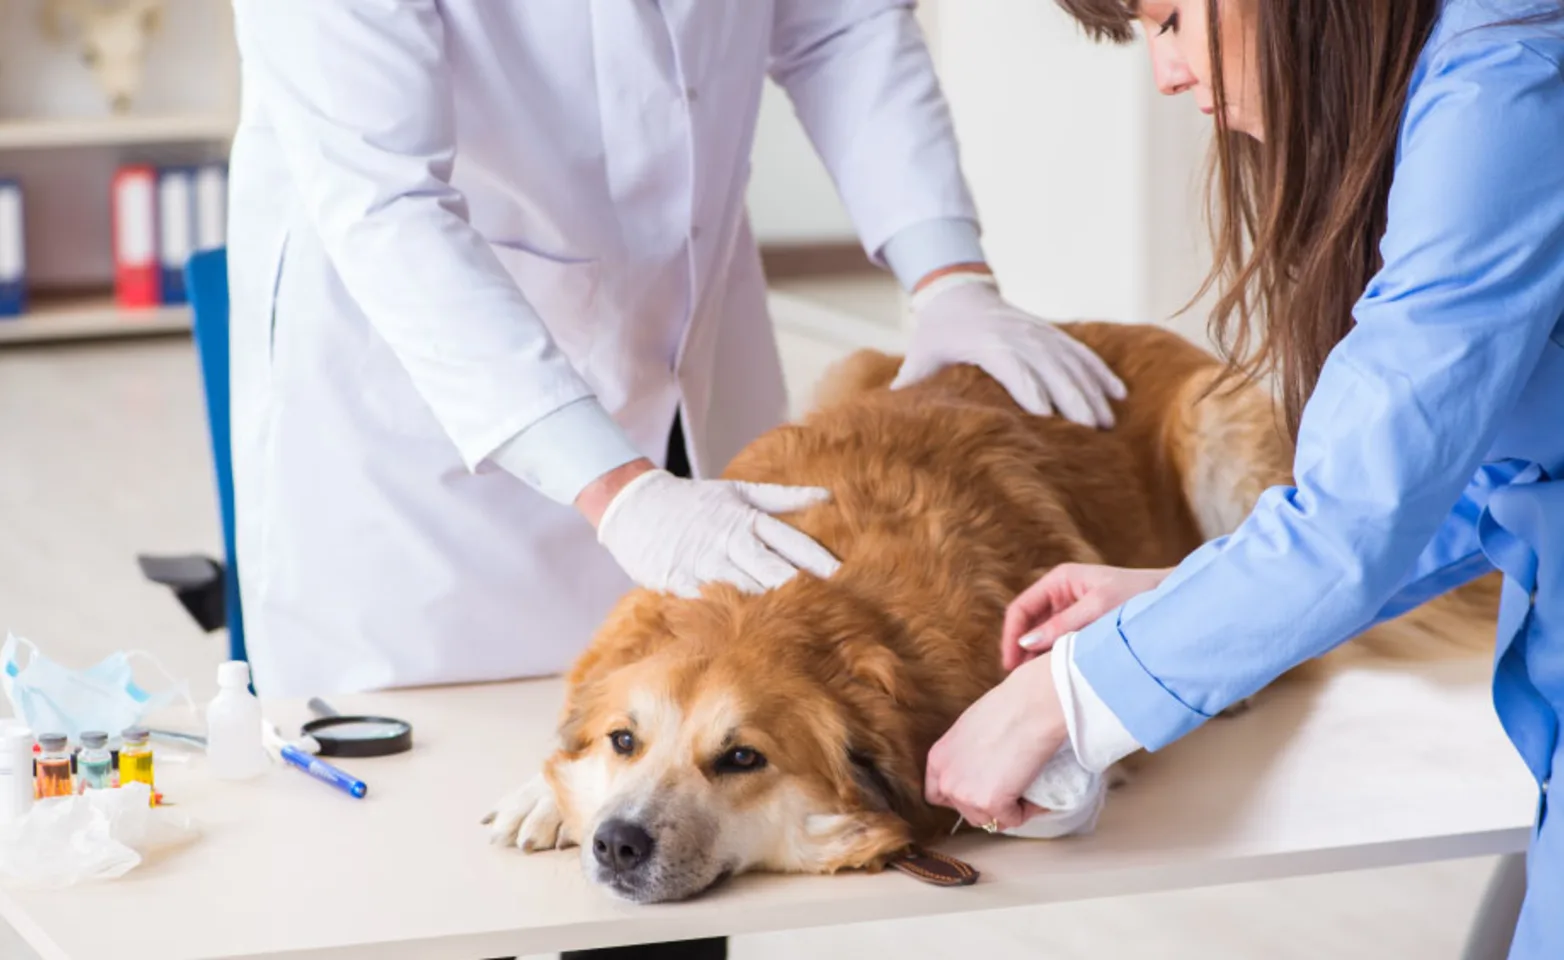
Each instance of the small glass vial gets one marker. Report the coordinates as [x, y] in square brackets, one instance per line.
[94, 764]
[54, 767]
[135, 759]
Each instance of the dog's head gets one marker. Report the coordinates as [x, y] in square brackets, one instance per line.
[705, 738]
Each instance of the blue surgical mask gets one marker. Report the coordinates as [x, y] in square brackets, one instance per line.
[51, 698]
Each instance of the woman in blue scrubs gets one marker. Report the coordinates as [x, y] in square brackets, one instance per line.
[1390, 226]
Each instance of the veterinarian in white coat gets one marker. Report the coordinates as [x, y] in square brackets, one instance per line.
[483, 252]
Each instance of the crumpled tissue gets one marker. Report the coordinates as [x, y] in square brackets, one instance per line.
[98, 835]
[1072, 795]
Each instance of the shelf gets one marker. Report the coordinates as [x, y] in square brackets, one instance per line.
[109, 131]
[90, 318]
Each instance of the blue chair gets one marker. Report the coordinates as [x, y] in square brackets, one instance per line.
[209, 590]
[206, 281]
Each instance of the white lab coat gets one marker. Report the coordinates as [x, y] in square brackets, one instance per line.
[449, 219]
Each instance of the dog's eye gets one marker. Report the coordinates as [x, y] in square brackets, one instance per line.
[740, 760]
[623, 741]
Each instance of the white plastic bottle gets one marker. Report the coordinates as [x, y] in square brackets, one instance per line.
[16, 770]
[233, 726]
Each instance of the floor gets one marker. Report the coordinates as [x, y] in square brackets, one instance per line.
[103, 456]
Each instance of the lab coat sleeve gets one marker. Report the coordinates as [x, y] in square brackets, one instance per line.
[1408, 403]
[564, 451]
[863, 85]
[925, 247]
[358, 95]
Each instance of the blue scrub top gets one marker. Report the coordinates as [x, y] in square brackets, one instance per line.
[1432, 450]
[1458, 344]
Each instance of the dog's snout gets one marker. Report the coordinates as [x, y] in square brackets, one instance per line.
[621, 846]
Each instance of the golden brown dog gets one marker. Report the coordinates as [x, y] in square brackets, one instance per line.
[788, 731]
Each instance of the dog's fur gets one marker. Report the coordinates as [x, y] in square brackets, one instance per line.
[947, 501]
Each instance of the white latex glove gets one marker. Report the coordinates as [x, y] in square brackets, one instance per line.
[674, 535]
[963, 319]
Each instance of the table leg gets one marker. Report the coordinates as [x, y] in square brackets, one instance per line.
[713, 949]
[1489, 938]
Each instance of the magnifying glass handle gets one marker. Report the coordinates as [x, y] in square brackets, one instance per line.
[321, 708]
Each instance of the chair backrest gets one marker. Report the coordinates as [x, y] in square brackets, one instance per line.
[206, 281]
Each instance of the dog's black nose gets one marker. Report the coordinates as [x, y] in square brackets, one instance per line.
[621, 846]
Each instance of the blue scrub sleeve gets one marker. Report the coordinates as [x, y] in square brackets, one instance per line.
[1447, 334]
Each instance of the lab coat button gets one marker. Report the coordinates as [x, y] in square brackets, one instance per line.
[695, 233]
[690, 95]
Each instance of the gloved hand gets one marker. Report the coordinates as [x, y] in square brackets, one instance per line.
[963, 319]
[674, 535]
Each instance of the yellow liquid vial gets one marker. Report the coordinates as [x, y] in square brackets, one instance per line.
[135, 766]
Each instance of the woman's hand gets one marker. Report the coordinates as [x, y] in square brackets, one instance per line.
[982, 764]
[1068, 598]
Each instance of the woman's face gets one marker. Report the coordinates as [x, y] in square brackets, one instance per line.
[1178, 33]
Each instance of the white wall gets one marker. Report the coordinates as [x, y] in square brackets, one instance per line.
[189, 65]
[1089, 183]
[1085, 177]
[791, 197]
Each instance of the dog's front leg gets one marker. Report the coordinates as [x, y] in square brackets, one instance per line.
[528, 818]
[865, 841]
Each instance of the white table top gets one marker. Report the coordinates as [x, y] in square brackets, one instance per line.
[1369, 770]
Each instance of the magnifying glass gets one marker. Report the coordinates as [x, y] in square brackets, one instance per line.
[356, 736]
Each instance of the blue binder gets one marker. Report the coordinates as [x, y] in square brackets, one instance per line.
[13, 251]
[176, 225]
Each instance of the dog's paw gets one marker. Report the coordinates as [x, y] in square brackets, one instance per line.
[528, 818]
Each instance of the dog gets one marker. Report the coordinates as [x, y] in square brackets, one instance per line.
[788, 731]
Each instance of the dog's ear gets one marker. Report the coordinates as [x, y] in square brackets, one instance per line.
[634, 629]
[871, 671]
[636, 626]
[879, 789]
[867, 679]
[873, 785]
[571, 731]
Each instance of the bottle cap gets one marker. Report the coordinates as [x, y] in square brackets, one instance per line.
[52, 742]
[135, 735]
[234, 673]
[95, 739]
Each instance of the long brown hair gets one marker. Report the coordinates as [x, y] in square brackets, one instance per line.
[1296, 221]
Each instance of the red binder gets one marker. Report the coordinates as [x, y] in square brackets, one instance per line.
[136, 282]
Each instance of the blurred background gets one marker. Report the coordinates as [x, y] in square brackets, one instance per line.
[1089, 186]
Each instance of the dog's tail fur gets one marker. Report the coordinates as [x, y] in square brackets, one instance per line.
[1209, 423]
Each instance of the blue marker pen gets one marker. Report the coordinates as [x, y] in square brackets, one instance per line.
[323, 771]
